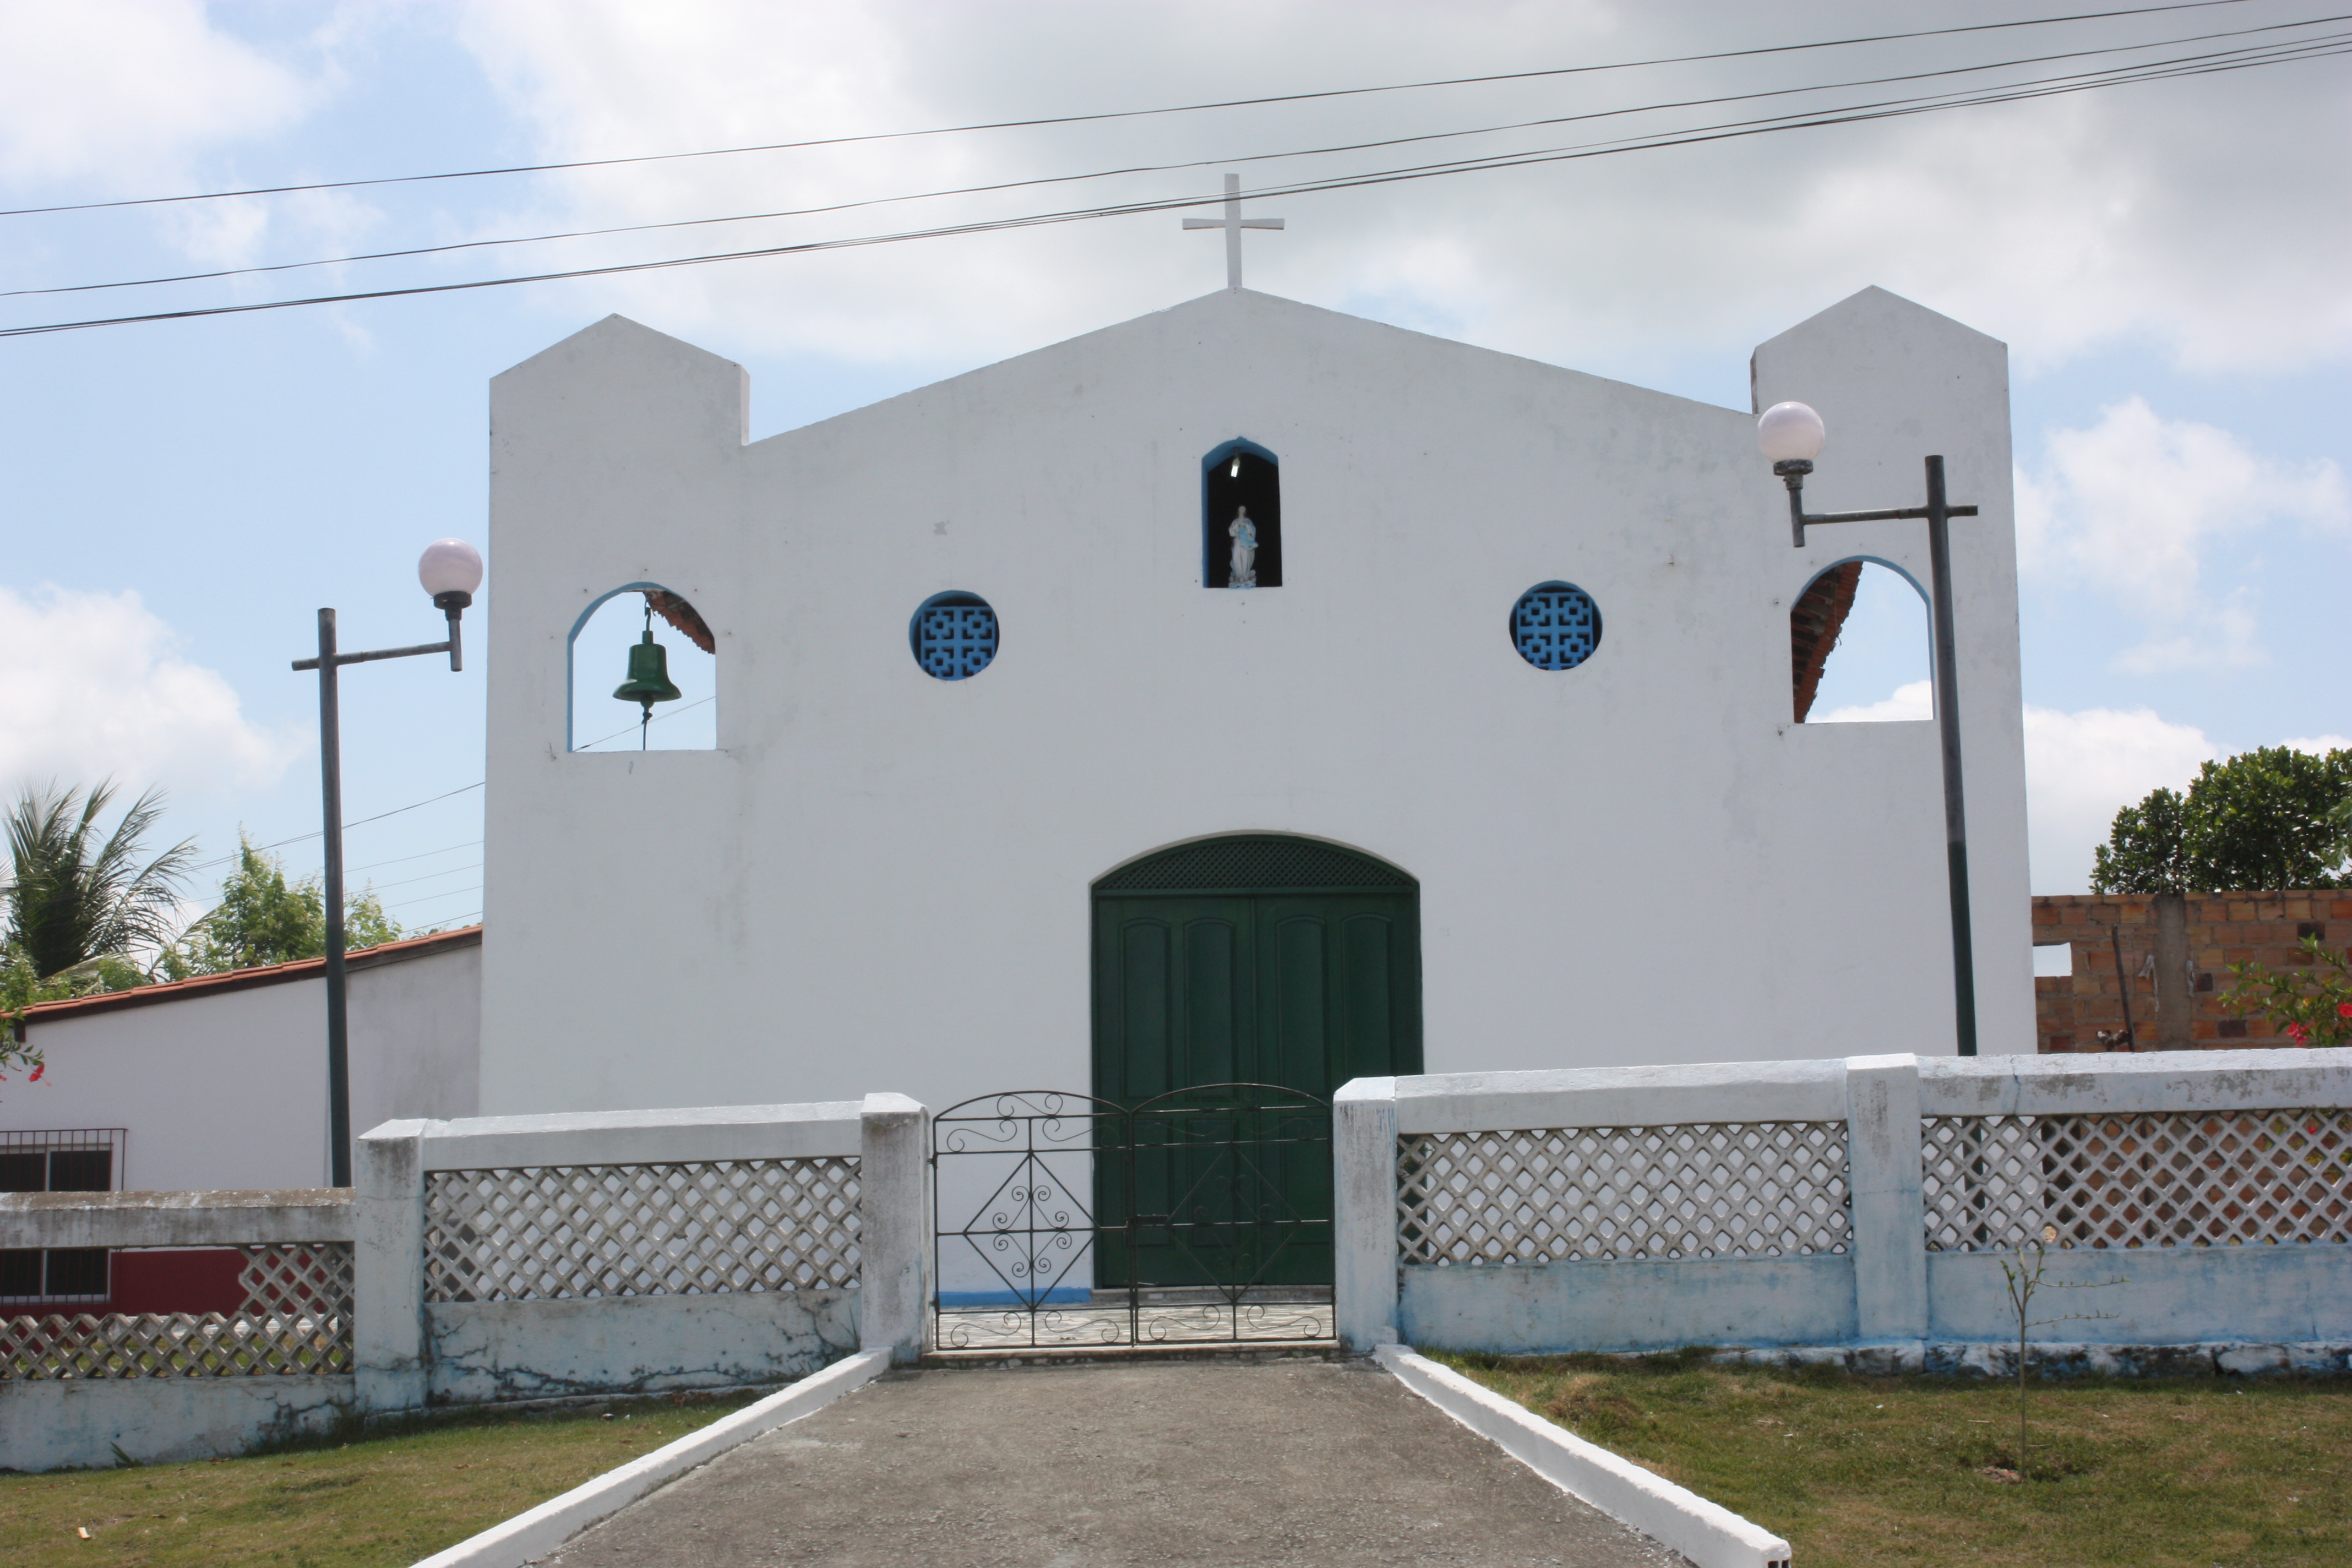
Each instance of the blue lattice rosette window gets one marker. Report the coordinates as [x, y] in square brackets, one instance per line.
[1556, 626]
[953, 636]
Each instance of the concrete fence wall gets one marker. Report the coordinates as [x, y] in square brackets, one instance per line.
[522, 1257]
[86, 1388]
[1863, 1203]
[1869, 1202]
[488, 1259]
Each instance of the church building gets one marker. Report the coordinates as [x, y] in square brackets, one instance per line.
[1244, 692]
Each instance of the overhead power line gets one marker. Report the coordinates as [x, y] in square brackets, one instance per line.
[633, 728]
[428, 897]
[1932, 103]
[420, 855]
[1119, 114]
[414, 251]
[379, 817]
[411, 882]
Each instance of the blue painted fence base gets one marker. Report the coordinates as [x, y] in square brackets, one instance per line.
[1061, 1295]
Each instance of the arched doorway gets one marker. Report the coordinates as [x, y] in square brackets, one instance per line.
[1251, 959]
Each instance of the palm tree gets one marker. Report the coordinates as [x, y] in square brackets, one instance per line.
[73, 898]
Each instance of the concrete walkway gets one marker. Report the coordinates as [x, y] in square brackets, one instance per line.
[1302, 1462]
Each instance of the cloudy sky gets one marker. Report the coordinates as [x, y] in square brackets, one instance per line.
[2165, 259]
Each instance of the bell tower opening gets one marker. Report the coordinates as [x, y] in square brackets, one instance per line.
[1859, 646]
[643, 674]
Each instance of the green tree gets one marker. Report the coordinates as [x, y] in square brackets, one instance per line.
[263, 919]
[2147, 849]
[364, 923]
[2262, 821]
[77, 899]
[79, 905]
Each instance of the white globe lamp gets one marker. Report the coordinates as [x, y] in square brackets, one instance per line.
[450, 570]
[1790, 432]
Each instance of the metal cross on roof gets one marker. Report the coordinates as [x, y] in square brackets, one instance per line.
[1233, 222]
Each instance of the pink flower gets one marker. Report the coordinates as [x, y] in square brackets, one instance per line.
[2344, 1009]
[39, 1070]
[2298, 1034]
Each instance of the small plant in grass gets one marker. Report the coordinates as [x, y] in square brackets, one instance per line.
[2023, 1279]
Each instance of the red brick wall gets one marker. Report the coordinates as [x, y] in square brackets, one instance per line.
[2223, 928]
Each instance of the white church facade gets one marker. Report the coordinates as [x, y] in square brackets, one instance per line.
[1495, 766]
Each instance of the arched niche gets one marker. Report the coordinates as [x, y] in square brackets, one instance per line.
[1860, 650]
[1236, 474]
[597, 660]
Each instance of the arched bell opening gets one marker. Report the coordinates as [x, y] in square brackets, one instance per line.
[1241, 516]
[1860, 649]
[643, 674]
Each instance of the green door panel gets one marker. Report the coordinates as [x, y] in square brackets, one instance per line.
[1210, 1027]
[1349, 995]
[1293, 1050]
[1143, 1005]
[1298, 988]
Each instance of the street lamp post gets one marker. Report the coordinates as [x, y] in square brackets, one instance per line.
[450, 570]
[1792, 435]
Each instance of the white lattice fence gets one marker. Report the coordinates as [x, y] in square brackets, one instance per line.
[551, 1232]
[2171, 1179]
[1769, 1189]
[296, 1319]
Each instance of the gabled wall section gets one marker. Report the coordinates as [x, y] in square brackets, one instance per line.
[880, 873]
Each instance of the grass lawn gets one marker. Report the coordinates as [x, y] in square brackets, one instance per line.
[1860, 1471]
[382, 1500]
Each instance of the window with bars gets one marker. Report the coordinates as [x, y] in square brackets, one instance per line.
[953, 636]
[85, 1160]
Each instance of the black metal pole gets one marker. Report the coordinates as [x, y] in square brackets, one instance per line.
[330, 790]
[1938, 511]
[330, 774]
[1948, 722]
[2123, 986]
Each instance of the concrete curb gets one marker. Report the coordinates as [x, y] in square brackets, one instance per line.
[539, 1531]
[1709, 1534]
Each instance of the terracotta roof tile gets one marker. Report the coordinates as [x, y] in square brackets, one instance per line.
[245, 979]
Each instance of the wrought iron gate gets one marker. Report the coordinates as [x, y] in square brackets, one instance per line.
[1199, 1216]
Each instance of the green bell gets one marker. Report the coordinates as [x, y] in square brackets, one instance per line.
[648, 681]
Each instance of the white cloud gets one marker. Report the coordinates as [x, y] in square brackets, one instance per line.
[101, 689]
[2182, 212]
[2319, 745]
[237, 232]
[2081, 768]
[119, 95]
[1915, 700]
[2131, 508]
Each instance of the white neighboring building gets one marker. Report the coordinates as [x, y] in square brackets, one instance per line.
[221, 1081]
[882, 880]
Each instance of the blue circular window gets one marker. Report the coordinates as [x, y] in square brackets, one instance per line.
[1556, 626]
[953, 636]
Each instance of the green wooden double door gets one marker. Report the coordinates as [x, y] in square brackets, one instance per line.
[1257, 959]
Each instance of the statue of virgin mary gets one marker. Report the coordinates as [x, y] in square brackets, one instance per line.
[1245, 567]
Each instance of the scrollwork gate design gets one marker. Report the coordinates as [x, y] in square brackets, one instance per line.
[1199, 1216]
